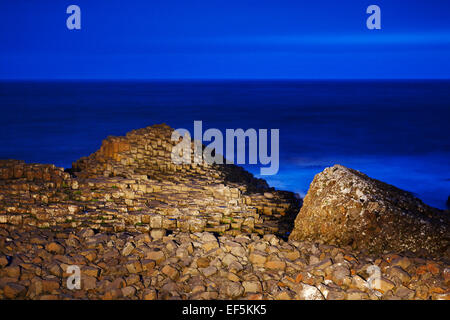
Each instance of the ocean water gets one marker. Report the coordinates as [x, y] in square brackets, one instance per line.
[394, 131]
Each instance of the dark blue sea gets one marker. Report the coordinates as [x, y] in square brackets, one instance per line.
[394, 131]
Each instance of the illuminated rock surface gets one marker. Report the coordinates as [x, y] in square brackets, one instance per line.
[139, 227]
[346, 207]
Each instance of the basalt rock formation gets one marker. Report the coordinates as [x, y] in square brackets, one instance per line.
[131, 184]
[346, 207]
[139, 227]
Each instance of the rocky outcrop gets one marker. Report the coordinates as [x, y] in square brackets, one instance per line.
[140, 227]
[131, 184]
[346, 207]
[147, 152]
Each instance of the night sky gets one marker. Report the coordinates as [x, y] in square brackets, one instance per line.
[233, 39]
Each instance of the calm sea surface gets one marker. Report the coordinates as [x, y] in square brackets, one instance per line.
[397, 132]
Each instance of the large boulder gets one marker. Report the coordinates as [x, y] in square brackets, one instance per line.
[345, 207]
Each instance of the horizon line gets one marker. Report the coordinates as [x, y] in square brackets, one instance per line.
[210, 79]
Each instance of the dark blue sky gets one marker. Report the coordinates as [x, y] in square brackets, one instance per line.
[224, 39]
